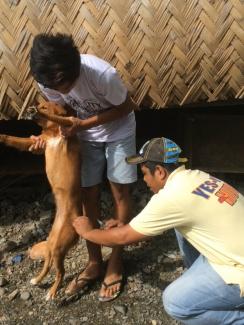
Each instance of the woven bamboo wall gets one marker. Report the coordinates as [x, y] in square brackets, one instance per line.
[167, 51]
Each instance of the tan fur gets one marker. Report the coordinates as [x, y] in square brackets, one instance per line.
[63, 172]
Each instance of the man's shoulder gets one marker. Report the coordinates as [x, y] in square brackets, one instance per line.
[188, 173]
[92, 63]
[185, 179]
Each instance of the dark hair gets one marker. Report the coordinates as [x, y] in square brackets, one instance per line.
[151, 165]
[54, 60]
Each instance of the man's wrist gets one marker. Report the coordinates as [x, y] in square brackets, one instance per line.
[88, 234]
[79, 124]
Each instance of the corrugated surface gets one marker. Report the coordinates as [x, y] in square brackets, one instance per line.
[167, 52]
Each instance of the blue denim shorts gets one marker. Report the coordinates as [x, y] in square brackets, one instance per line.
[98, 157]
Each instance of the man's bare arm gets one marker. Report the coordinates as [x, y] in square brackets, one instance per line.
[109, 115]
[112, 114]
[122, 235]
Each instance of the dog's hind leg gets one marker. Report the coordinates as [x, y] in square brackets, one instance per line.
[58, 263]
[44, 271]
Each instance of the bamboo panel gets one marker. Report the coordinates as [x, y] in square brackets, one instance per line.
[168, 52]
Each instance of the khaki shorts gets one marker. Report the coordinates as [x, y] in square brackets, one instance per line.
[109, 157]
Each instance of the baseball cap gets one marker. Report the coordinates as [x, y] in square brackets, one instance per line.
[160, 150]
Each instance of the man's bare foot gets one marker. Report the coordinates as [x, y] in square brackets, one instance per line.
[112, 283]
[87, 277]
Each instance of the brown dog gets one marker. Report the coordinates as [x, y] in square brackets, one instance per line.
[63, 172]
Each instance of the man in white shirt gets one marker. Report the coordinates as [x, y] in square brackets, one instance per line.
[105, 124]
[208, 216]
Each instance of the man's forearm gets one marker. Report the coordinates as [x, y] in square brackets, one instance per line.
[105, 237]
[110, 115]
[115, 236]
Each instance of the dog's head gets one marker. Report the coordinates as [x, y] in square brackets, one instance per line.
[38, 113]
[51, 108]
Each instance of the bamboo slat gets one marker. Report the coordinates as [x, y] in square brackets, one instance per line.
[168, 52]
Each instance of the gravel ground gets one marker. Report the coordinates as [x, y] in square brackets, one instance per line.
[26, 213]
[25, 218]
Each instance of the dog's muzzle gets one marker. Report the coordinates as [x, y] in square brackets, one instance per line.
[31, 113]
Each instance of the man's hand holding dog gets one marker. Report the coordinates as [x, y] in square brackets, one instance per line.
[111, 223]
[82, 225]
[73, 129]
[38, 146]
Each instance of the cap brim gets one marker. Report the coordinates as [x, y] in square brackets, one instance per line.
[134, 160]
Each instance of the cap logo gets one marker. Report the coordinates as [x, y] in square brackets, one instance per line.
[171, 151]
[158, 150]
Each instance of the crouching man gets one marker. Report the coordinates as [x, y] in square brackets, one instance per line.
[208, 216]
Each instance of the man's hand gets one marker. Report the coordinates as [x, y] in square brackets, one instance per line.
[82, 225]
[111, 223]
[38, 146]
[71, 130]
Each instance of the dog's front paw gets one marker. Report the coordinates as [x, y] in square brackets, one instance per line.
[3, 137]
[33, 281]
[50, 295]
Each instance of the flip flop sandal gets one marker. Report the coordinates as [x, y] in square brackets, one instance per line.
[69, 299]
[80, 284]
[115, 295]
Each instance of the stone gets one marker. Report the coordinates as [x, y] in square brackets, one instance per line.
[25, 295]
[160, 258]
[121, 309]
[84, 319]
[3, 282]
[3, 319]
[13, 294]
[8, 246]
[2, 292]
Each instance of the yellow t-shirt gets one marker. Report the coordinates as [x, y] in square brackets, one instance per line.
[207, 212]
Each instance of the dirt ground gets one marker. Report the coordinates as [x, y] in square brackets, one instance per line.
[26, 214]
[26, 211]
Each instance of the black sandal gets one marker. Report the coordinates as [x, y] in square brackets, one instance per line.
[76, 286]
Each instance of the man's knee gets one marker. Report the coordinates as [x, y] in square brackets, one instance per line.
[174, 302]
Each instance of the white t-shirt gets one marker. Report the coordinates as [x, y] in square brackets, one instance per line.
[207, 212]
[97, 89]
